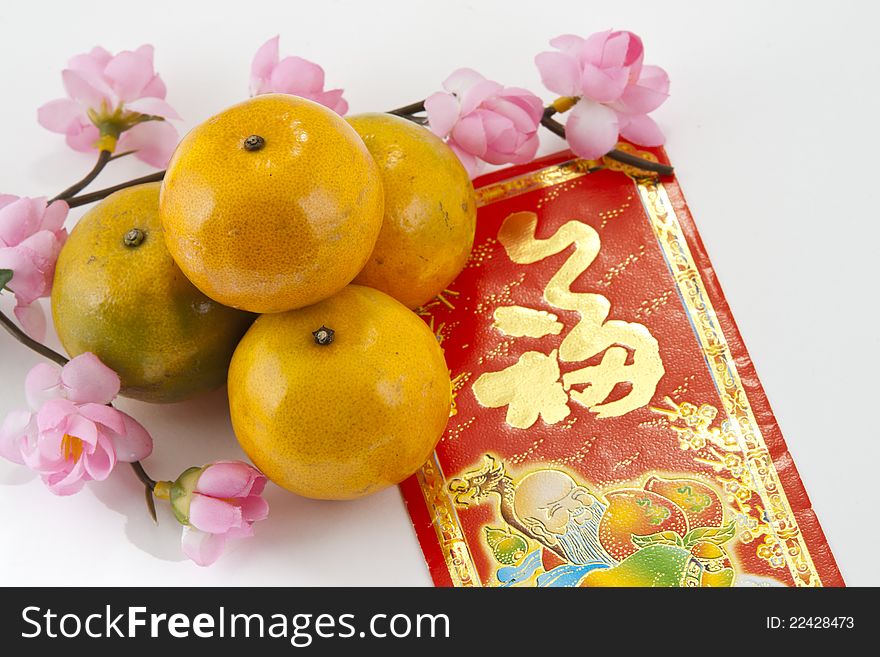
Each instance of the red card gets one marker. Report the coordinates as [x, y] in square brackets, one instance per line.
[609, 428]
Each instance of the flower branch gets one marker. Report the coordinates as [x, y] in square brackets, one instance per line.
[558, 129]
[560, 105]
[119, 156]
[29, 342]
[408, 110]
[103, 158]
[149, 487]
[54, 356]
[146, 480]
[74, 434]
[101, 194]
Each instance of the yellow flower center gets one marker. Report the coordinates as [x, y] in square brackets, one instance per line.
[71, 447]
[162, 490]
[565, 103]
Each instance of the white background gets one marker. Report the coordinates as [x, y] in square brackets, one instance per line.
[772, 125]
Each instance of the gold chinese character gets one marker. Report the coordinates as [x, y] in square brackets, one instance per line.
[529, 388]
[532, 387]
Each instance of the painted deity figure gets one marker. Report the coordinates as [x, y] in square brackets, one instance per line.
[667, 532]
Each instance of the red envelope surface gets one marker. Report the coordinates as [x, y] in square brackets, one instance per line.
[609, 428]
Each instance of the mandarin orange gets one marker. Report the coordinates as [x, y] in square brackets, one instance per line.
[273, 204]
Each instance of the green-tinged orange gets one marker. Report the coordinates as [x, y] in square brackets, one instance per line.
[636, 512]
[273, 204]
[430, 210]
[118, 294]
[344, 412]
[701, 505]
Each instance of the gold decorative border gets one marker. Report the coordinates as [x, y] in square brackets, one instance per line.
[535, 180]
[727, 381]
[444, 517]
[692, 290]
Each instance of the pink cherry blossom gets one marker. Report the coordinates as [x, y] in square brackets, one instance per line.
[224, 504]
[615, 90]
[484, 121]
[31, 237]
[114, 97]
[292, 75]
[71, 435]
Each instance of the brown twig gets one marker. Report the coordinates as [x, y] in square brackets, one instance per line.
[103, 158]
[149, 486]
[122, 154]
[146, 480]
[101, 194]
[640, 162]
[408, 110]
[29, 342]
